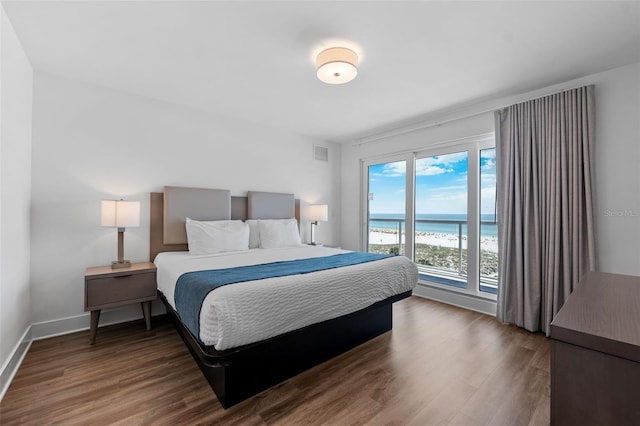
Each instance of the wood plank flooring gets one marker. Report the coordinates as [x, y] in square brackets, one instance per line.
[441, 365]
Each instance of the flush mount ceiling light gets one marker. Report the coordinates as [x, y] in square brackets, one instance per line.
[337, 65]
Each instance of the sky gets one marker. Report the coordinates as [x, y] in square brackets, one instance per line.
[441, 184]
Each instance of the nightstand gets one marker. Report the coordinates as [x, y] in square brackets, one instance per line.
[107, 288]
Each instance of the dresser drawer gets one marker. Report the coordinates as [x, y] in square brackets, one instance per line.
[112, 291]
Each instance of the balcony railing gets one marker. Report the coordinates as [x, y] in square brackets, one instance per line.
[458, 225]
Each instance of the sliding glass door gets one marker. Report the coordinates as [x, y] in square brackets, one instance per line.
[438, 208]
[386, 207]
[441, 194]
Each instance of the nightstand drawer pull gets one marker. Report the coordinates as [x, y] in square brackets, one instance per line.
[123, 276]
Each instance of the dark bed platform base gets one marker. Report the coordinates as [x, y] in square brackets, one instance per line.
[237, 374]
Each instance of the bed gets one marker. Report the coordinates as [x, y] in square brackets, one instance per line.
[240, 358]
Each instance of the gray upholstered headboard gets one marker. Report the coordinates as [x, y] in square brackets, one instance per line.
[178, 203]
[270, 205]
[195, 203]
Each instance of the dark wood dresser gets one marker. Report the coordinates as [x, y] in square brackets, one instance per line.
[595, 353]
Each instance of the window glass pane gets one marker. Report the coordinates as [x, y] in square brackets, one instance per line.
[441, 218]
[386, 207]
[489, 222]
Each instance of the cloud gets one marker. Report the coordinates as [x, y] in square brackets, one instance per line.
[427, 189]
[488, 179]
[439, 164]
[451, 158]
[488, 153]
[394, 169]
[429, 170]
[428, 166]
[490, 165]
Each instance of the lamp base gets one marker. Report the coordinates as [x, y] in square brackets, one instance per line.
[123, 264]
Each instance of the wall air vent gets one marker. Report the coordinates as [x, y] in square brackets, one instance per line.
[320, 153]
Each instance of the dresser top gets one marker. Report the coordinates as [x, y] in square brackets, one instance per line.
[603, 314]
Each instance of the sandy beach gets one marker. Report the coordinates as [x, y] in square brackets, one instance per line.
[442, 240]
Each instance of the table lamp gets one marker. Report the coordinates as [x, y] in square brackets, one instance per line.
[317, 213]
[120, 214]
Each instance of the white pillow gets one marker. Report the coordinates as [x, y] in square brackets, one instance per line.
[279, 233]
[206, 237]
[254, 233]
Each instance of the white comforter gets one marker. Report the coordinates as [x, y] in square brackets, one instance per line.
[247, 312]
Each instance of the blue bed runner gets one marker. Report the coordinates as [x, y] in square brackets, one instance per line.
[193, 287]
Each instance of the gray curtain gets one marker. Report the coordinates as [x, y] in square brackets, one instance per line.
[544, 151]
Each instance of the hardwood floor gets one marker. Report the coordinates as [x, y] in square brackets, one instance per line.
[441, 365]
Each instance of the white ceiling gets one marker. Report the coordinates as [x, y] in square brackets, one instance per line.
[255, 60]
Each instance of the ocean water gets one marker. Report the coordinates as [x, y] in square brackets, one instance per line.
[486, 230]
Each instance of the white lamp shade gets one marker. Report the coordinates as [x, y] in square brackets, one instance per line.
[318, 212]
[337, 65]
[120, 213]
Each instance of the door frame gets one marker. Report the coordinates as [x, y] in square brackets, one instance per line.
[408, 158]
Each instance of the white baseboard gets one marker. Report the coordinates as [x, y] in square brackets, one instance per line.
[11, 365]
[454, 298]
[59, 327]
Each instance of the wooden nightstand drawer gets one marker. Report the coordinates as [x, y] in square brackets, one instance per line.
[102, 292]
[105, 287]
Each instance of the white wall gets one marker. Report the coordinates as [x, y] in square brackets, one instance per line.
[16, 77]
[617, 160]
[618, 169]
[91, 143]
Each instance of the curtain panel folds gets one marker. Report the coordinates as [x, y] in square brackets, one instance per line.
[544, 151]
